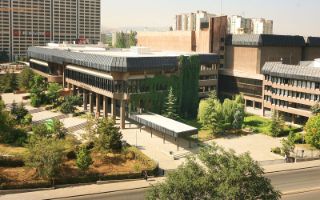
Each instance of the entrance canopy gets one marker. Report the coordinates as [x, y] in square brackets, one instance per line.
[163, 124]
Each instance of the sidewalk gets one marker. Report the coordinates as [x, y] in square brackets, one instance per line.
[82, 190]
[291, 166]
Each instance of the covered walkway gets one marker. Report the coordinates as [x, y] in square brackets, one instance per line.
[166, 126]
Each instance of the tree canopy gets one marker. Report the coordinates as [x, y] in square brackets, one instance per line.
[221, 116]
[223, 175]
[312, 129]
[109, 135]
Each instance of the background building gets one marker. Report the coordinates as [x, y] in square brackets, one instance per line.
[241, 25]
[25, 23]
[192, 21]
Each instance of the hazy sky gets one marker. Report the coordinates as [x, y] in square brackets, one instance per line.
[290, 16]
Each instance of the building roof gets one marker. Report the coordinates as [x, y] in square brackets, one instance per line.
[114, 60]
[313, 41]
[292, 71]
[163, 124]
[264, 40]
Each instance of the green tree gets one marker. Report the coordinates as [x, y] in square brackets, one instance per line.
[121, 41]
[70, 103]
[315, 109]
[46, 155]
[90, 130]
[109, 136]
[287, 146]
[50, 129]
[4, 57]
[25, 78]
[171, 105]
[84, 159]
[277, 124]
[132, 38]
[9, 83]
[223, 175]
[19, 112]
[53, 92]
[38, 88]
[312, 129]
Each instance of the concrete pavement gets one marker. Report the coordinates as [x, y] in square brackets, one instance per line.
[77, 191]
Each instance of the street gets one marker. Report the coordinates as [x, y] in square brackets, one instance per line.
[284, 181]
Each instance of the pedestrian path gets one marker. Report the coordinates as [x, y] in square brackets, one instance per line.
[83, 190]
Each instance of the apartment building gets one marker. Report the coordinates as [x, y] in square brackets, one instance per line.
[291, 89]
[241, 25]
[192, 21]
[25, 23]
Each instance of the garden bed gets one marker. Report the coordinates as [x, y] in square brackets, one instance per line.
[111, 166]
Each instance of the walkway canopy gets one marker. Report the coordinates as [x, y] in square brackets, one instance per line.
[164, 125]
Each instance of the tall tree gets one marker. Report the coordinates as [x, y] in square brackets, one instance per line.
[46, 155]
[277, 124]
[38, 88]
[25, 78]
[121, 41]
[132, 38]
[84, 159]
[312, 129]
[109, 136]
[53, 92]
[171, 105]
[222, 175]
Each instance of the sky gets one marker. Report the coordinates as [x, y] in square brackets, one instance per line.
[295, 17]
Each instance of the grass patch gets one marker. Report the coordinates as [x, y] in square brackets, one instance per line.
[257, 124]
[11, 150]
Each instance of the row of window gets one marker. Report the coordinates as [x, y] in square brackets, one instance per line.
[287, 104]
[293, 82]
[289, 93]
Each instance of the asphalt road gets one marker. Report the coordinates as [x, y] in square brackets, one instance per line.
[303, 196]
[283, 181]
[295, 180]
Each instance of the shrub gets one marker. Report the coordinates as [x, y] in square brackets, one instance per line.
[276, 150]
[70, 103]
[312, 129]
[84, 159]
[25, 78]
[109, 136]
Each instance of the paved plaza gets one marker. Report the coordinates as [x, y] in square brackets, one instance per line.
[258, 145]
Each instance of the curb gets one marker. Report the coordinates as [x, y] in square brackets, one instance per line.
[97, 193]
[300, 191]
[287, 170]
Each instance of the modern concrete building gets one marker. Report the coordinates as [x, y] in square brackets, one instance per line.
[245, 56]
[312, 49]
[107, 79]
[291, 89]
[25, 23]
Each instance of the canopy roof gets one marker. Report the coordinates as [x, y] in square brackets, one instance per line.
[163, 124]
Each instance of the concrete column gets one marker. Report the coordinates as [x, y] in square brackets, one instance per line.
[113, 108]
[85, 100]
[123, 114]
[91, 102]
[73, 90]
[105, 106]
[97, 105]
[69, 86]
[254, 104]
[177, 141]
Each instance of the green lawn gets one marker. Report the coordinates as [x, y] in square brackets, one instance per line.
[257, 124]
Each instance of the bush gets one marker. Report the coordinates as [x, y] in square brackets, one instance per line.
[70, 103]
[16, 137]
[84, 159]
[276, 150]
[312, 129]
